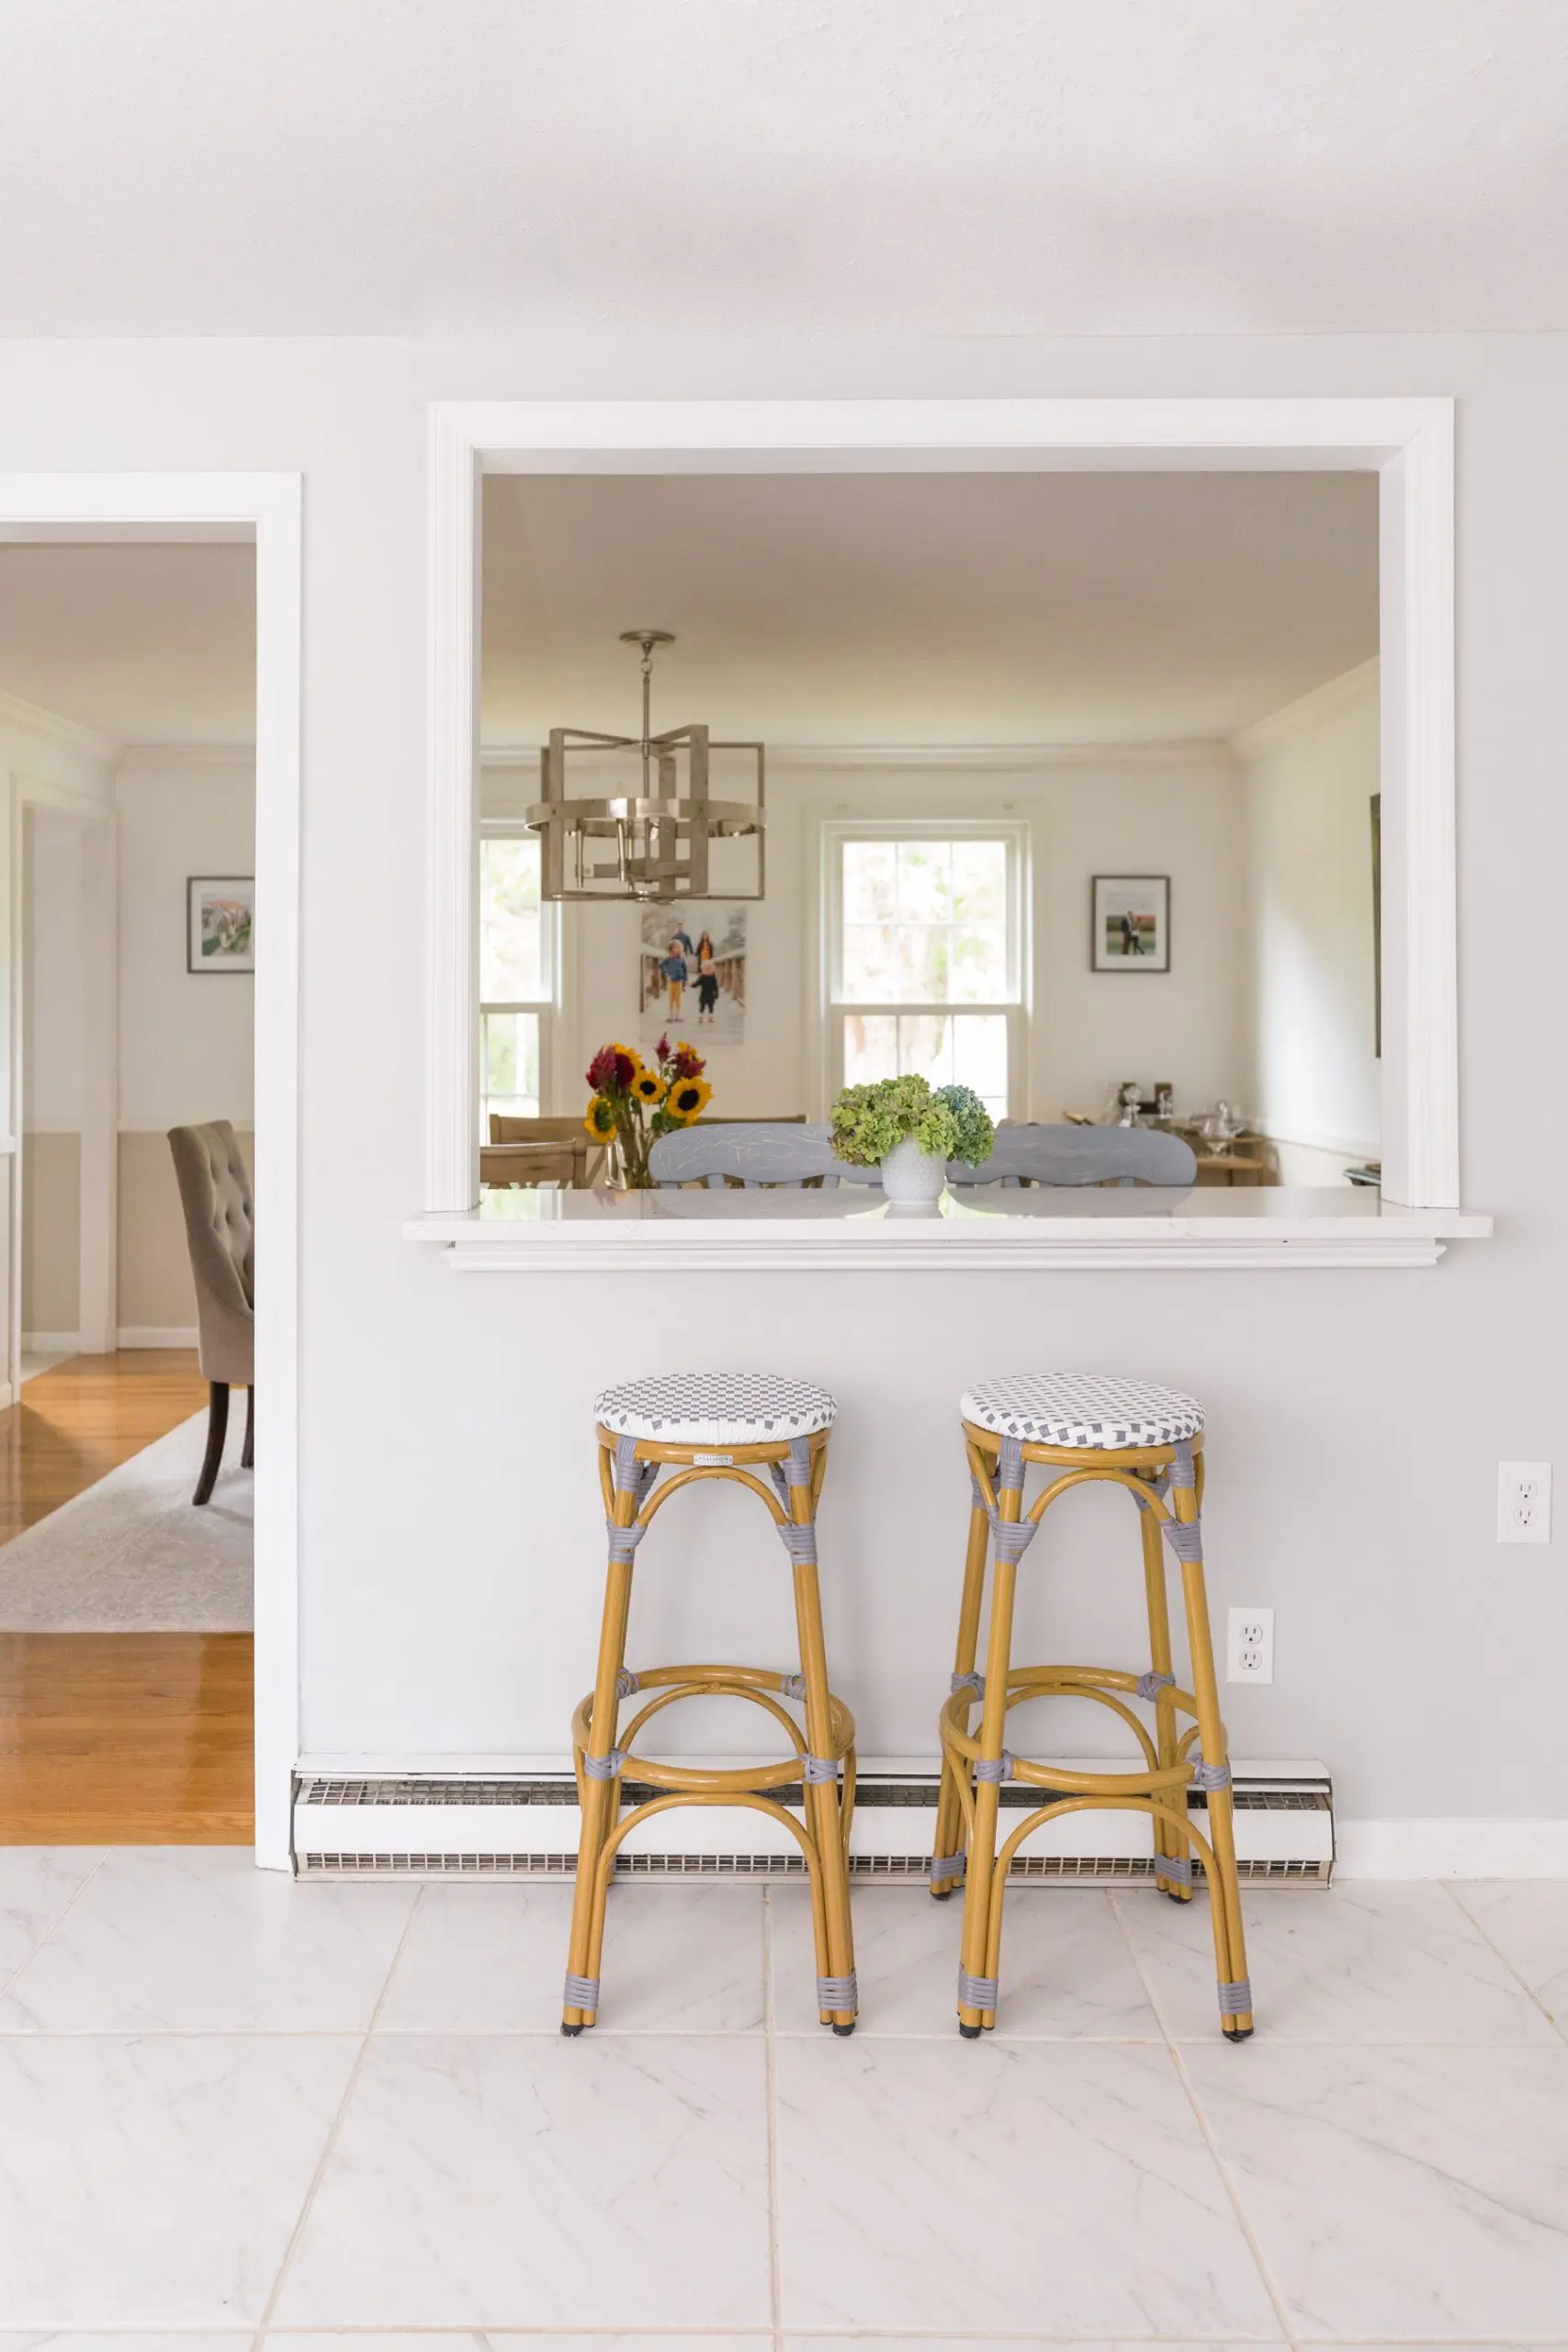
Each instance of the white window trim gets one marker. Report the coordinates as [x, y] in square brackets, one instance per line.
[548, 1005]
[827, 1058]
[1408, 443]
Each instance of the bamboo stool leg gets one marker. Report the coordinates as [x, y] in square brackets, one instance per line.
[1173, 1859]
[947, 1854]
[1212, 1774]
[601, 1786]
[836, 1991]
[976, 1992]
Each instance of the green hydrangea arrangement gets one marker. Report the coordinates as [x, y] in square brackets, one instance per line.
[948, 1122]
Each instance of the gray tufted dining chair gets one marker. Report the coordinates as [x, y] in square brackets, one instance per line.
[215, 1193]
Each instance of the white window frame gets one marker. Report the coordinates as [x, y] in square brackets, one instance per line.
[832, 1007]
[1408, 443]
[547, 1007]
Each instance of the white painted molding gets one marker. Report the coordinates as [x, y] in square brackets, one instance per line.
[67, 732]
[1307, 710]
[52, 1343]
[151, 1335]
[452, 842]
[1505, 1846]
[269, 508]
[1409, 443]
[959, 759]
[7, 1395]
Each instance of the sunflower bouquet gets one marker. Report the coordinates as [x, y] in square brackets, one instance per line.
[636, 1102]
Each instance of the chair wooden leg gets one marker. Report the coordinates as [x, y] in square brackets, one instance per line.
[836, 1986]
[217, 1430]
[977, 2001]
[1230, 1945]
[947, 1854]
[248, 1452]
[1170, 1848]
[600, 1790]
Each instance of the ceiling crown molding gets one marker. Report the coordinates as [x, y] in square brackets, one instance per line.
[68, 732]
[982, 758]
[1323, 701]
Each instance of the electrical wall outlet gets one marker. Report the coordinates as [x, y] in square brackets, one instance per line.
[1524, 1502]
[1249, 1645]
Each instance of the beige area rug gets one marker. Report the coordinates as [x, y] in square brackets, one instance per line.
[133, 1554]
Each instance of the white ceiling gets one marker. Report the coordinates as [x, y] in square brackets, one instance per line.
[925, 608]
[956, 167]
[146, 644]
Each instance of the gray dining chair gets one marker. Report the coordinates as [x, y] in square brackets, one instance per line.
[1042, 1155]
[215, 1193]
[787, 1153]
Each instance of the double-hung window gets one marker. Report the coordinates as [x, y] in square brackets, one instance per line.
[516, 978]
[925, 961]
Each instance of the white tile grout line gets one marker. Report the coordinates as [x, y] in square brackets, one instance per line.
[59, 1920]
[1270, 2285]
[770, 2091]
[1559, 2025]
[330, 2142]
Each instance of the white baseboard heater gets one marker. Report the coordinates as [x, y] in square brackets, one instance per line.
[526, 1827]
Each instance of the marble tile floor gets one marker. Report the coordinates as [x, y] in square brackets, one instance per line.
[236, 2112]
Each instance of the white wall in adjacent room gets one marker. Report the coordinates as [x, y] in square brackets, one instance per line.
[1142, 810]
[1310, 772]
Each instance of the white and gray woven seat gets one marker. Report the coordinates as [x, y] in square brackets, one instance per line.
[1085, 1409]
[715, 1408]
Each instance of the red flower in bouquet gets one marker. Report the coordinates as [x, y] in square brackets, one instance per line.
[686, 1062]
[661, 1052]
[613, 1070]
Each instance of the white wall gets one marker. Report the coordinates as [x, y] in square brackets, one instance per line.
[1311, 770]
[186, 1040]
[1174, 810]
[450, 1530]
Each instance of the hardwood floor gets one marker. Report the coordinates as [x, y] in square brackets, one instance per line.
[114, 1738]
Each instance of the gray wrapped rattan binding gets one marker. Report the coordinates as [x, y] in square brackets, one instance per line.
[793, 1686]
[1186, 1542]
[817, 1771]
[1013, 1537]
[1183, 1470]
[1235, 1999]
[622, 1541]
[838, 1992]
[632, 1477]
[1210, 1776]
[1179, 1868]
[1150, 1685]
[970, 1682]
[994, 1768]
[582, 1993]
[800, 1542]
[1010, 1464]
[946, 1866]
[627, 1684]
[976, 1992]
[605, 1768]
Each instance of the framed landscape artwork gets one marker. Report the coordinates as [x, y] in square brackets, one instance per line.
[1129, 922]
[221, 922]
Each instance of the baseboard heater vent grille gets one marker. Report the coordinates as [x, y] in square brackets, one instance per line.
[407, 1825]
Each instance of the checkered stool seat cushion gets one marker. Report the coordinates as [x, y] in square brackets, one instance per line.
[1081, 1409]
[714, 1408]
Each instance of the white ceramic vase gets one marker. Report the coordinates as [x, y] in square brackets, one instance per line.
[912, 1178]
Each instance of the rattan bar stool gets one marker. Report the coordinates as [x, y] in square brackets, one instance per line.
[771, 1436]
[1082, 1429]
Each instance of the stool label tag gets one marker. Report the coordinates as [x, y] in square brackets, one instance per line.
[714, 1460]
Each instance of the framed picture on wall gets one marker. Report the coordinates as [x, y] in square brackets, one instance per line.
[221, 922]
[1129, 922]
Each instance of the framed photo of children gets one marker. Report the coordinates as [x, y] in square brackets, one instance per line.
[221, 922]
[1129, 922]
[692, 960]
